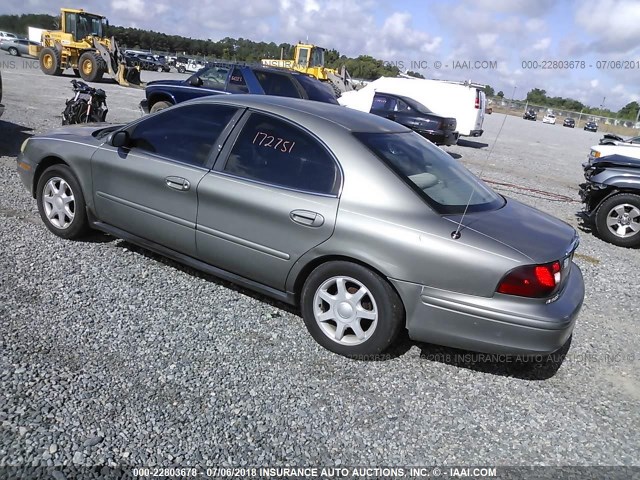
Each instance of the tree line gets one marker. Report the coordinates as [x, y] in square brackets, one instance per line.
[537, 96]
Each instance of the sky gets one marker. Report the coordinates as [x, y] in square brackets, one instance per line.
[509, 44]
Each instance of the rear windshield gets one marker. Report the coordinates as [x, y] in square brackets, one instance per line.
[443, 182]
[316, 90]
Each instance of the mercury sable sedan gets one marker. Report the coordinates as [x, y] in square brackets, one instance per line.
[365, 225]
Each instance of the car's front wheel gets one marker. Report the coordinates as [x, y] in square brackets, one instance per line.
[161, 105]
[13, 51]
[618, 220]
[60, 202]
[350, 309]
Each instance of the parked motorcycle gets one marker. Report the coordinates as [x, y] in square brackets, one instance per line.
[87, 105]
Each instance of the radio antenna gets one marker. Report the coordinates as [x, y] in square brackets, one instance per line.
[456, 233]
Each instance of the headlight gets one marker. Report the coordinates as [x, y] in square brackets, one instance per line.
[24, 145]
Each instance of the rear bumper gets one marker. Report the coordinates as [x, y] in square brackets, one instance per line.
[501, 324]
[440, 137]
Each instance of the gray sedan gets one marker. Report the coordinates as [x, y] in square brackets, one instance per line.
[17, 47]
[362, 223]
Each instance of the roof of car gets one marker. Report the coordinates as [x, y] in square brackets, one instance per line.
[300, 110]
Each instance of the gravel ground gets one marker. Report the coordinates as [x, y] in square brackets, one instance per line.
[110, 355]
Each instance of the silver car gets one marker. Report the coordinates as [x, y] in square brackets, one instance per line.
[17, 47]
[362, 223]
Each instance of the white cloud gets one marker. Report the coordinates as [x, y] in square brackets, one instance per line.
[487, 40]
[542, 44]
[594, 83]
[136, 8]
[612, 23]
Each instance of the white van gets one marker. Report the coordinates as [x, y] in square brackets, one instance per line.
[465, 101]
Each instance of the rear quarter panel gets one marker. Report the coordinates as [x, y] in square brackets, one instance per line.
[381, 222]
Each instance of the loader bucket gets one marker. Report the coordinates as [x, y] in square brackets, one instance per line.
[129, 77]
[117, 67]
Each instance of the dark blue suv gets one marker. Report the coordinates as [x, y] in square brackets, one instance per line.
[220, 78]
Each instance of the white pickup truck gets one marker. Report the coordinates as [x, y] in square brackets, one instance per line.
[188, 65]
[626, 149]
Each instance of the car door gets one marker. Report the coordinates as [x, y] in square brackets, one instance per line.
[272, 196]
[149, 189]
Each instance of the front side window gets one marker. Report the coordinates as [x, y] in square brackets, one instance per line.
[444, 183]
[186, 134]
[402, 106]
[214, 77]
[277, 84]
[272, 151]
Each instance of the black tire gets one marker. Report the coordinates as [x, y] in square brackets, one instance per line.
[14, 51]
[91, 66]
[161, 105]
[50, 61]
[380, 299]
[62, 224]
[628, 213]
[181, 69]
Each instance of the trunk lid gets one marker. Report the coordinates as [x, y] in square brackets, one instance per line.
[538, 236]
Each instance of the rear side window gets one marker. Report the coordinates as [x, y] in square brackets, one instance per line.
[317, 90]
[272, 151]
[277, 84]
[379, 102]
[237, 83]
[185, 134]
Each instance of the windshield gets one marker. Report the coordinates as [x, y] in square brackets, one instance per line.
[89, 25]
[316, 90]
[439, 179]
[317, 57]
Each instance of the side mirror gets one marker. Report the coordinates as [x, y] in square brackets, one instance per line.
[195, 81]
[119, 139]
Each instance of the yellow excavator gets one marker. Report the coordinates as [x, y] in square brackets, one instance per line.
[81, 45]
[309, 59]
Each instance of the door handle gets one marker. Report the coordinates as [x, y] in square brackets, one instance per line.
[307, 218]
[177, 183]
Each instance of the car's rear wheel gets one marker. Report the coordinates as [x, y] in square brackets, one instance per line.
[61, 203]
[181, 69]
[350, 309]
[618, 220]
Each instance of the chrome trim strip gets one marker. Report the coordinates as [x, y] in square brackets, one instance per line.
[243, 242]
[151, 211]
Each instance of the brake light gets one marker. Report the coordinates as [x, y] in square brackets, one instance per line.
[534, 281]
[477, 99]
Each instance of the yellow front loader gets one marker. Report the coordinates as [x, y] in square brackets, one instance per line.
[309, 59]
[81, 45]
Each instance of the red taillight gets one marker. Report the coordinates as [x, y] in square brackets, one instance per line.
[531, 280]
[477, 100]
